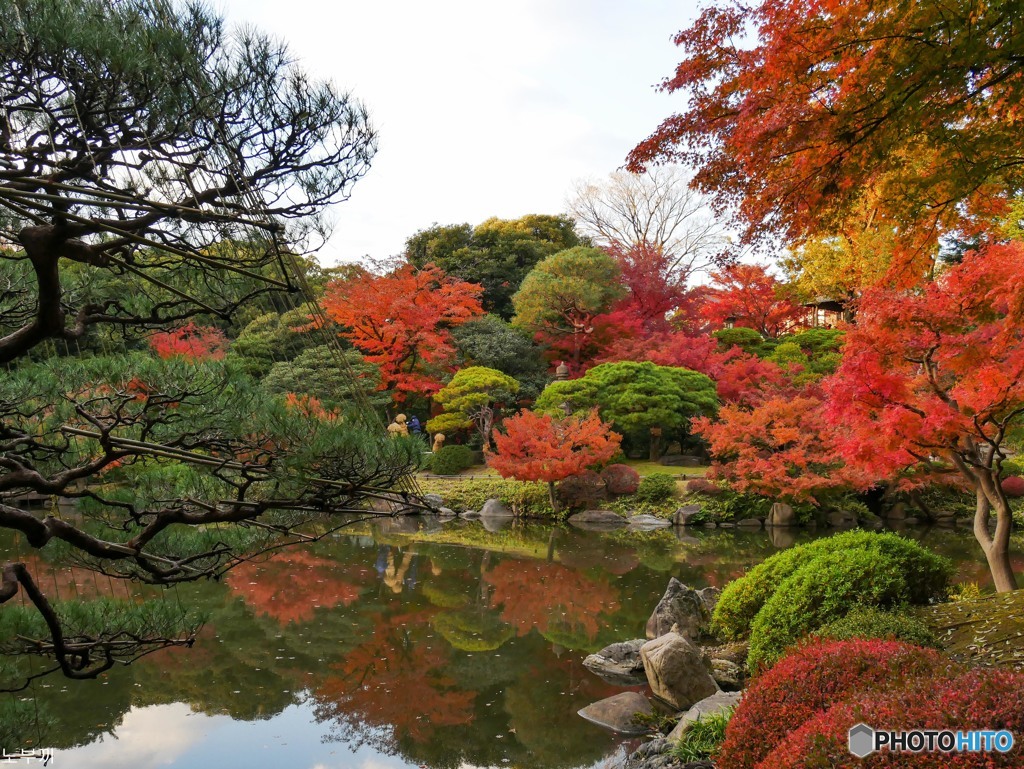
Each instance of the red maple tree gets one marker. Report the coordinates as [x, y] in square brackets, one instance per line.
[190, 341]
[934, 379]
[402, 322]
[748, 295]
[538, 447]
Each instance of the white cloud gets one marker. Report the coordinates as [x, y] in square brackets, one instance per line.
[147, 738]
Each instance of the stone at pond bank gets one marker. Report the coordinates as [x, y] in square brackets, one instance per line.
[681, 607]
[495, 508]
[749, 523]
[597, 520]
[619, 713]
[841, 519]
[446, 512]
[647, 522]
[676, 672]
[434, 500]
[709, 706]
[469, 515]
[781, 515]
[685, 515]
[619, 663]
[656, 754]
[727, 674]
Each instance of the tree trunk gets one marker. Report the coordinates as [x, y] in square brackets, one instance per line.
[996, 546]
[552, 497]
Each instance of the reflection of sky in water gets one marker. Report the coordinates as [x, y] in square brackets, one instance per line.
[174, 736]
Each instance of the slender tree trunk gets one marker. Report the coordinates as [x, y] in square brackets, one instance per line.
[996, 546]
[552, 497]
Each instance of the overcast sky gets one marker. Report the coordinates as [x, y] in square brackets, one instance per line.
[483, 108]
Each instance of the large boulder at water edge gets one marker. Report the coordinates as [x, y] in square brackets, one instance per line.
[676, 672]
[683, 607]
[619, 713]
[709, 706]
[619, 663]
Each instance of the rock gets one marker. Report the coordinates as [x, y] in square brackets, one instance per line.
[681, 608]
[911, 521]
[495, 508]
[896, 513]
[597, 520]
[710, 525]
[647, 522]
[675, 671]
[469, 515]
[680, 460]
[841, 519]
[708, 706]
[446, 512]
[710, 596]
[685, 514]
[617, 713]
[434, 500]
[727, 525]
[749, 523]
[496, 523]
[781, 515]
[728, 675]
[619, 663]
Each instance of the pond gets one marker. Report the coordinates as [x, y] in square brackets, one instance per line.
[400, 644]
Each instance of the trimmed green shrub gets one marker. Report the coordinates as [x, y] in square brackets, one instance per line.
[451, 460]
[743, 598]
[871, 622]
[656, 487]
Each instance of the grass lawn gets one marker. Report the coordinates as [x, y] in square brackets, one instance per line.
[642, 466]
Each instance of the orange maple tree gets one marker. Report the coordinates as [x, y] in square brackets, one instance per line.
[538, 447]
[402, 322]
[748, 295]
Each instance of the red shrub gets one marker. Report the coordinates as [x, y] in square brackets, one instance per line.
[621, 479]
[812, 679]
[581, 490]
[979, 699]
[1013, 486]
[703, 486]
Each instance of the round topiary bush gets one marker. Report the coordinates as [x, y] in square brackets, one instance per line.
[812, 679]
[975, 700]
[621, 479]
[703, 486]
[1013, 486]
[656, 487]
[825, 589]
[928, 576]
[871, 622]
[451, 460]
[582, 490]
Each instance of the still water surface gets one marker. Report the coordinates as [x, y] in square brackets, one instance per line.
[401, 645]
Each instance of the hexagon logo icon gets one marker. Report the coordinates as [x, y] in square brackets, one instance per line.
[862, 740]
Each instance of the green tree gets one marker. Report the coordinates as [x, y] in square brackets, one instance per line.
[469, 401]
[564, 293]
[489, 341]
[497, 254]
[636, 397]
[334, 378]
[156, 170]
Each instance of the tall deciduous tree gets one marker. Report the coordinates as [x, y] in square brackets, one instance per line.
[469, 401]
[497, 253]
[799, 114]
[402, 323]
[564, 293]
[655, 209]
[539, 447]
[937, 376]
